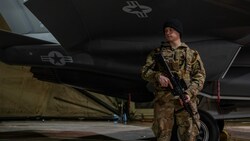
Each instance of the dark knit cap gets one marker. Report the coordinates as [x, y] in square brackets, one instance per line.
[175, 24]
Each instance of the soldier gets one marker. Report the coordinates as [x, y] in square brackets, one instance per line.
[187, 64]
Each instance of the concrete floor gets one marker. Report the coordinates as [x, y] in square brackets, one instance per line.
[95, 131]
[72, 130]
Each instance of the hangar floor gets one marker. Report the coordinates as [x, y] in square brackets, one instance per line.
[95, 131]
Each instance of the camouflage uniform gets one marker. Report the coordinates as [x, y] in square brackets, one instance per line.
[187, 64]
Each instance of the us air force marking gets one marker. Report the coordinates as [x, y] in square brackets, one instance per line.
[57, 58]
[134, 7]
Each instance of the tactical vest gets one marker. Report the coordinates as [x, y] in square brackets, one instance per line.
[180, 60]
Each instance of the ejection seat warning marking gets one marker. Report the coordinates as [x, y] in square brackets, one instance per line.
[134, 7]
[57, 58]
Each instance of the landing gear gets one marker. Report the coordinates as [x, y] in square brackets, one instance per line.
[209, 129]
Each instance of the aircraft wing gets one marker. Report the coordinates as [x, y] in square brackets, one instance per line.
[133, 28]
[12, 39]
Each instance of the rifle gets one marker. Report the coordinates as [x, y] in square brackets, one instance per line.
[179, 86]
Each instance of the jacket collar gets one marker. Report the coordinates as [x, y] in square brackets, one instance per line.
[166, 44]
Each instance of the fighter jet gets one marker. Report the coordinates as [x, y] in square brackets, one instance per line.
[100, 46]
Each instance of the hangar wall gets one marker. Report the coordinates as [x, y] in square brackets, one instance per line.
[21, 95]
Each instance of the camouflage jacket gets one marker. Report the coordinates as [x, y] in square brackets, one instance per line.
[183, 61]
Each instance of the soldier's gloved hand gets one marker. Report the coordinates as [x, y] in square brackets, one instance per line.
[187, 99]
[164, 81]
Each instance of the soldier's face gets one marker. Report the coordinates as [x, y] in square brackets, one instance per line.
[171, 34]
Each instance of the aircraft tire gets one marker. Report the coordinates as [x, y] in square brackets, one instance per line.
[209, 128]
[209, 125]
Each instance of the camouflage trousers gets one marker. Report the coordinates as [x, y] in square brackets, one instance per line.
[166, 107]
